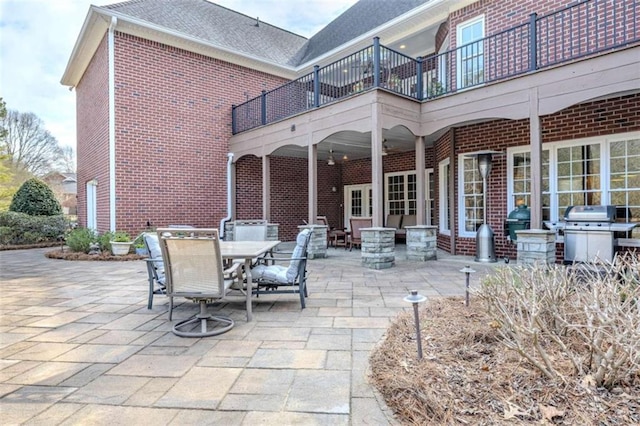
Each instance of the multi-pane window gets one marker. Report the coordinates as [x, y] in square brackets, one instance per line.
[356, 203]
[470, 52]
[401, 193]
[431, 199]
[472, 195]
[589, 172]
[521, 181]
[578, 172]
[624, 185]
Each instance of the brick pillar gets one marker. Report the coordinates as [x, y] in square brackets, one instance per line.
[378, 247]
[421, 242]
[318, 244]
[536, 246]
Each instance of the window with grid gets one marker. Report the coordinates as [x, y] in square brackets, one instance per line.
[471, 52]
[521, 181]
[578, 176]
[472, 196]
[624, 184]
[431, 199]
[401, 193]
[356, 203]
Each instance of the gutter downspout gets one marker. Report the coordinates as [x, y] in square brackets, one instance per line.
[229, 204]
[112, 127]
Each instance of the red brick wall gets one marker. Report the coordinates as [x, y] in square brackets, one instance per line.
[289, 192]
[92, 118]
[173, 120]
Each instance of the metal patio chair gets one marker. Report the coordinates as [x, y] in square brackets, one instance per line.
[194, 270]
[271, 278]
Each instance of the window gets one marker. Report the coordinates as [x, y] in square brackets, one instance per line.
[445, 201]
[470, 53]
[594, 171]
[472, 202]
[624, 185]
[430, 198]
[401, 193]
[519, 162]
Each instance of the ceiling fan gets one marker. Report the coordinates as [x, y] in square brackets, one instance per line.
[387, 148]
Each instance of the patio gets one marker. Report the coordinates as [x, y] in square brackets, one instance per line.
[78, 345]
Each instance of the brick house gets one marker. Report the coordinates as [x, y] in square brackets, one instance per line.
[173, 98]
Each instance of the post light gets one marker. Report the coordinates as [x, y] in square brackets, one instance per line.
[467, 271]
[414, 298]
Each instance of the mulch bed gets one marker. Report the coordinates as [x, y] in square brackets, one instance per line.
[69, 255]
[468, 377]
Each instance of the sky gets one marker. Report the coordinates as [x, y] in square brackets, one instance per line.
[37, 37]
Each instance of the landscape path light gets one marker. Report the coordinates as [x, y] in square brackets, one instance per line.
[467, 271]
[414, 298]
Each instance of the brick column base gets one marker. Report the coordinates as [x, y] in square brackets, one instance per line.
[378, 248]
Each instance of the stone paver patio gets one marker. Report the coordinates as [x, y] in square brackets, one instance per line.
[78, 345]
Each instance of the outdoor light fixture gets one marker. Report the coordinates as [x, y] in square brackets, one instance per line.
[345, 158]
[331, 161]
[468, 271]
[384, 150]
[414, 298]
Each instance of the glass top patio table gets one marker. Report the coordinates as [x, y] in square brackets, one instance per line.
[247, 250]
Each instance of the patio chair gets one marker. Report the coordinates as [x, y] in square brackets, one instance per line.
[270, 278]
[193, 270]
[155, 267]
[335, 237]
[357, 223]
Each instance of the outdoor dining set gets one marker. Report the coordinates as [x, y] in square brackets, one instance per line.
[194, 263]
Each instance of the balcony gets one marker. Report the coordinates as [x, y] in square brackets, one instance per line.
[585, 29]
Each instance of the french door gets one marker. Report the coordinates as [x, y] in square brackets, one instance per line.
[357, 202]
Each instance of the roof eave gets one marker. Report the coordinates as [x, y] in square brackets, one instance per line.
[97, 23]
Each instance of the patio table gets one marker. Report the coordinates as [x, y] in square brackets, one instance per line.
[247, 250]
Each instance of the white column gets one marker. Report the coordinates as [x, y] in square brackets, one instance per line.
[266, 187]
[535, 134]
[376, 166]
[421, 201]
[313, 182]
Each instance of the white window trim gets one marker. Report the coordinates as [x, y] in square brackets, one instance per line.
[461, 211]
[459, 28]
[443, 195]
[406, 188]
[429, 220]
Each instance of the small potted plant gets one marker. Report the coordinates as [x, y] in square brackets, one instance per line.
[141, 248]
[121, 243]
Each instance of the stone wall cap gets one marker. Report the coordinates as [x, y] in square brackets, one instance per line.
[378, 228]
[421, 227]
[535, 231]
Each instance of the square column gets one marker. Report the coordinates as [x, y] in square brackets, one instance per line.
[536, 246]
[421, 242]
[317, 247]
[378, 247]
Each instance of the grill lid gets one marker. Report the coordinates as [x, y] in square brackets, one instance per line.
[590, 214]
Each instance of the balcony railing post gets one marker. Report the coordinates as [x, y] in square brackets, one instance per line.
[376, 61]
[263, 107]
[533, 42]
[316, 86]
[419, 82]
[234, 126]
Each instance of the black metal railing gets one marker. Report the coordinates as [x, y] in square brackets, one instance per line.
[586, 28]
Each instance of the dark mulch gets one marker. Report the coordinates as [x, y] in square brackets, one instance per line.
[29, 246]
[467, 377]
[69, 255]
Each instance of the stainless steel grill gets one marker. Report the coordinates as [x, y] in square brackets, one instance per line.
[589, 233]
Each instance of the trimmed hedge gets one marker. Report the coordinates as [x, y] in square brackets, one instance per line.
[22, 229]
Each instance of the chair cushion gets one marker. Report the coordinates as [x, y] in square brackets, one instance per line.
[274, 273]
[298, 252]
[409, 220]
[393, 221]
[153, 245]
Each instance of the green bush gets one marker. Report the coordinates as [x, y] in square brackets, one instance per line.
[105, 241]
[80, 239]
[121, 237]
[35, 198]
[21, 228]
